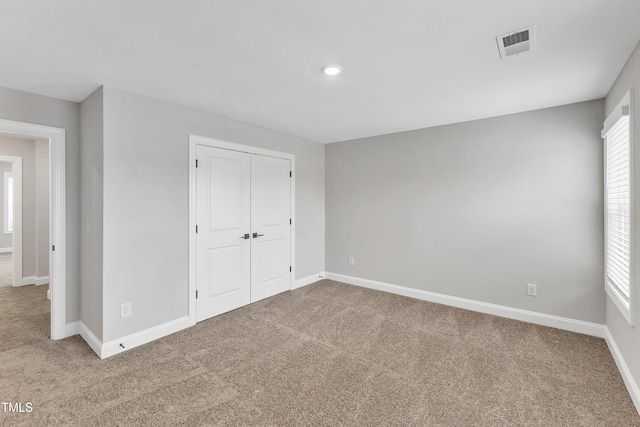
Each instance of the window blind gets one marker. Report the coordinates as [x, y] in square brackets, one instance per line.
[618, 213]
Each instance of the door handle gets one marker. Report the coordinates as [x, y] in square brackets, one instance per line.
[257, 235]
[246, 236]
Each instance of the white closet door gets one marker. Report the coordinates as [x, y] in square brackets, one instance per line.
[270, 226]
[223, 187]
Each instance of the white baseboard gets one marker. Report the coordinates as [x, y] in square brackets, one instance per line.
[6, 250]
[572, 325]
[79, 328]
[90, 338]
[42, 280]
[308, 280]
[104, 350]
[632, 386]
[71, 329]
[33, 280]
[29, 280]
[134, 340]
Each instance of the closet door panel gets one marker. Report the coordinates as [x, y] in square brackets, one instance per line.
[223, 264]
[270, 224]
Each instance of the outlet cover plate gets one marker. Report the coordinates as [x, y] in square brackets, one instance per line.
[125, 310]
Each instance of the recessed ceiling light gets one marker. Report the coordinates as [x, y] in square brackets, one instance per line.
[332, 69]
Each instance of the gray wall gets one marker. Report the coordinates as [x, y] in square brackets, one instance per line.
[6, 240]
[91, 189]
[33, 241]
[627, 337]
[146, 195]
[477, 209]
[42, 110]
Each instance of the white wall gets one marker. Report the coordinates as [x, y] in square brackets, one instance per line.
[477, 210]
[626, 337]
[6, 240]
[146, 146]
[42, 110]
[91, 211]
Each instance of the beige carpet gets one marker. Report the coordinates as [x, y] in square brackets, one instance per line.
[324, 355]
[24, 321]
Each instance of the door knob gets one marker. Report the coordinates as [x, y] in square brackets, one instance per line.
[257, 235]
[246, 236]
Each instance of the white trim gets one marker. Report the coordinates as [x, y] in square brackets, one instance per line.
[299, 283]
[17, 216]
[632, 386]
[579, 326]
[73, 328]
[618, 300]
[79, 328]
[194, 141]
[292, 207]
[89, 337]
[28, 280]
[104, 350]
[6, 250]
[192, 237]
[44, 280]
[217, 143]
[57, 229]
[17, 220]
[5, 207]
[139, 338]
[34, 280]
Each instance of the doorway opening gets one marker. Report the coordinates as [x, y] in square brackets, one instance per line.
[51, 257]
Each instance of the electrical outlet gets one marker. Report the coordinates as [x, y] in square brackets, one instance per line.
[532, 290]
[352, 261]
[125, 310]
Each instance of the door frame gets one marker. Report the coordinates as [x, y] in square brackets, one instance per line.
[194, 141]
[17, 217]
[57, 217]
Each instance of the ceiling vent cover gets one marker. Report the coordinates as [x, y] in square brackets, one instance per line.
[516, 42]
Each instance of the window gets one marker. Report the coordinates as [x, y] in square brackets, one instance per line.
[619, 277]
[8, 202]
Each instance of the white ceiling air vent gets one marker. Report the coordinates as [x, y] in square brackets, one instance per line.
[516, 42]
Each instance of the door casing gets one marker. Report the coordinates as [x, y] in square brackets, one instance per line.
[194, 141]
[57, 217]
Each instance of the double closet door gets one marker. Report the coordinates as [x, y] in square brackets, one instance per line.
[243, 205]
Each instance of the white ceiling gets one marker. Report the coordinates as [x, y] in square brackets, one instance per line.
[408, 64]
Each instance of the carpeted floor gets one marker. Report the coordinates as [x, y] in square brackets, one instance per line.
[326, 354]
[24, 321]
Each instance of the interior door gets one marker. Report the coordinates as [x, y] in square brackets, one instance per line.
[270, 226]
[223, 197]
